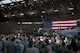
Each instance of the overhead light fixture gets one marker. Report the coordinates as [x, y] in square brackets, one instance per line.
[43, 12]
[12, 4]
[70, 8]
[56, 10]
[35, 0]
[23, 2]
[32, 13]
[72, 13]
[21, 14]
[51, 2]
[37, 22]
[5, 15]
[26, 23]
[13, 15]
[41, 16]
[2, 5]
[18, 22]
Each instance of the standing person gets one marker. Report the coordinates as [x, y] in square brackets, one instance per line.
[63, 48]
[78, 43]
[48, 48]
[11, 46]
[42, 49]
[19, 31]
[69, 49]
[32, 49]
[19, 47]
[25, 42]
[54, 46]
[1, 45]
[6, 42]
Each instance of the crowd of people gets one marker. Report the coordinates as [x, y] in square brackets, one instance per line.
[19, 43]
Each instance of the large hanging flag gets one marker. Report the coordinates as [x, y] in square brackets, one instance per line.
[62, 24]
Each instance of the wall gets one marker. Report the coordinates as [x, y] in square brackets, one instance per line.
[13, 27]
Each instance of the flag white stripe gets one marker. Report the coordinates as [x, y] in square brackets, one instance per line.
[65, 24]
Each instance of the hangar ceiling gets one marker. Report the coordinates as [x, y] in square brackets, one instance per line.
[38, 10]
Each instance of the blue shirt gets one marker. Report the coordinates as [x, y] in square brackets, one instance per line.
[48, 49]
[25, 43]
[19, 48]
[54, 46]
[63, 49]
[32, 50]
[1, 44]
[11, 47]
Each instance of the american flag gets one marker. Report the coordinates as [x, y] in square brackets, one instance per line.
[62, 24]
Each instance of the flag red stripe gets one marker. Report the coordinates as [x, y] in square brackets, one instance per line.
[63, 26]
[72, 21]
